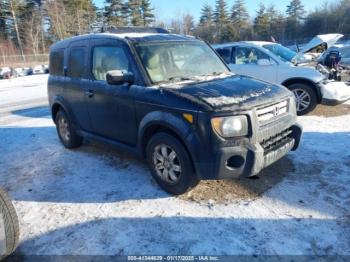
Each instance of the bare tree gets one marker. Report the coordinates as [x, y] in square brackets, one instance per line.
[187, 24]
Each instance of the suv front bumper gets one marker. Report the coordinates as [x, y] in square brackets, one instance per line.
[248, 160]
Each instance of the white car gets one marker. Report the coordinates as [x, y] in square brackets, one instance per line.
[271, 62]
[39, 69]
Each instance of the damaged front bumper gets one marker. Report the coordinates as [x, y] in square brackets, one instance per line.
[334, 93]
[250, 159]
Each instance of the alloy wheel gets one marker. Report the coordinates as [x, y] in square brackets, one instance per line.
[303, 99]
[166, 163]
[64, 129]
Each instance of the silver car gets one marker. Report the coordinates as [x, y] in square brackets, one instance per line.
[309, 86]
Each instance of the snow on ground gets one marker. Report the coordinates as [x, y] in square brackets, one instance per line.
[25, 89]
[97, 201]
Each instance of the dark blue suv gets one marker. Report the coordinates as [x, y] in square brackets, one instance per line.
[171, 100]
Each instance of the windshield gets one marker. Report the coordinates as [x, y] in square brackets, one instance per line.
[282, 52]
[179, 61]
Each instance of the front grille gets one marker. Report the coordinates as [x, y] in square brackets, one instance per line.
[276, 141]
[268, 113]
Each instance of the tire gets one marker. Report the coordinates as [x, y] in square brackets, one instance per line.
[10, 225]
[66, 131]
[310, 98]
[178, 165]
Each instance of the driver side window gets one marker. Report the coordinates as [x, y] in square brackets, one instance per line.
[249, 56]
[107, 58]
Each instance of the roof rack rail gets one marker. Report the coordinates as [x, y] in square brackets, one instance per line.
[134, 29]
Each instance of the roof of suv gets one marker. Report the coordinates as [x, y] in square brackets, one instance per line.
[136, 37]
[249, 43]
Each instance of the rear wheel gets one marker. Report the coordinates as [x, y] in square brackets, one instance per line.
[306, 99]
[66, 131]
[170, 164]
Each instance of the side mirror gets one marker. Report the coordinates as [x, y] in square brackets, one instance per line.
[117, 77]
[264, 62]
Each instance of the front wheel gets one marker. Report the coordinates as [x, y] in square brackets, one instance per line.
[306, 99]
[170, 164]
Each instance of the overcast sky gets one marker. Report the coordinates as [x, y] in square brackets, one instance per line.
[167, 9]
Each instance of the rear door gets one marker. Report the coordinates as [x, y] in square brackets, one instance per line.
[111, 107]
[76, 82]
[245, 62]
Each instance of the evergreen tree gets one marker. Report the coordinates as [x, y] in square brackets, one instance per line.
[134, 7]
[295, 13]
[239, 14]
[146, 12]
[221, 15]
[240, 17]
[277, 23]
[221, 19]
[205, 29]
[206, 18]
[261, 23]
[114, 13]
[295, 10]
[81, 15]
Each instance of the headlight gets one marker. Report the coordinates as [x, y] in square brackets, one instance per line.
[230, 126]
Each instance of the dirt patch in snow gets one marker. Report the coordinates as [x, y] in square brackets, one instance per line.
[228, 191]
[331, 111]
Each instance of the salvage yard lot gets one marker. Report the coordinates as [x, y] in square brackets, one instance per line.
[97, 201]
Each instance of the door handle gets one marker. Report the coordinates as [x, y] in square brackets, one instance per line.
[89, 93]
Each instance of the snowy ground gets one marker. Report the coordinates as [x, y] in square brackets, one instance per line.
[96, 201]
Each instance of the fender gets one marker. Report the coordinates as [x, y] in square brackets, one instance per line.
[305, 81]
[59, 100]
[166, 120]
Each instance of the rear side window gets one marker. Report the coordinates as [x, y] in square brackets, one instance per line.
[226, 54]
[249, 55]
[76, 62]
[108, 58]
[56, 63]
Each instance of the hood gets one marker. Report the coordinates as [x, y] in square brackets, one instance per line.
[232, 93]
[329, 39]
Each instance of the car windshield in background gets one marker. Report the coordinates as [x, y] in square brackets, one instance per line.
[282, 52]
[179, 61]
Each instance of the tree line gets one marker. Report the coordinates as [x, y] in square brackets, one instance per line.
[30, 26]
[223, 23]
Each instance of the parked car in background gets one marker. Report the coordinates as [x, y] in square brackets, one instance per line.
[4, 72]
[7, 73]
[271, 62]
[46, 69]
[27, 71]
[19, 71]
[171, 100]
[39, 69]
[344, 54]
[319, 44]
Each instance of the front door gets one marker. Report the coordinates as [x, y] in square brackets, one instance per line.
[245, 62]
[111, 107]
